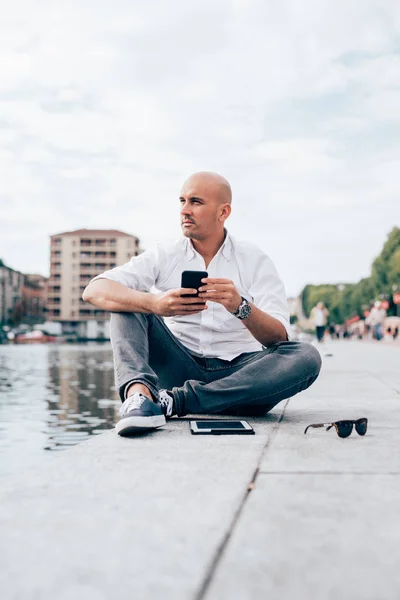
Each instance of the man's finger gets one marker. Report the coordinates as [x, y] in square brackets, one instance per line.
[215, 280]
[183, 291]
[197, 300]
[214, 294]
[216, 286]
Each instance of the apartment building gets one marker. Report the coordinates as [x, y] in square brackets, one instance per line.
[11, 283]
[75, 258]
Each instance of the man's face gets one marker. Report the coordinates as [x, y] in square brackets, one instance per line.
[201, 209]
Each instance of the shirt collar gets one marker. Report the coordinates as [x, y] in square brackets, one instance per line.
[226, 248]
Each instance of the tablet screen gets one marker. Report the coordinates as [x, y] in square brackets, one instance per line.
[220, 425]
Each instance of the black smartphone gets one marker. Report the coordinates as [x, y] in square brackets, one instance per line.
[217, 427]
[192, 279]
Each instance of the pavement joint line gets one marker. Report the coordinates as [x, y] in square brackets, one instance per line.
[329, 473]
[210, 572]
[392, 389]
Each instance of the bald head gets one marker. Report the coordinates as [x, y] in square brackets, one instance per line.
[205, 200]
[211, 185]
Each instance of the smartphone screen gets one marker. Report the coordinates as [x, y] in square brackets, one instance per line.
[192, 279]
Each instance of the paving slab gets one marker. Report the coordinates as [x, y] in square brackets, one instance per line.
[307, 537]
[124, 518]
[170, 515]
[321, 521]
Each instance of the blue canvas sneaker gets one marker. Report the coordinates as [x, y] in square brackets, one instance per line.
[138, 414]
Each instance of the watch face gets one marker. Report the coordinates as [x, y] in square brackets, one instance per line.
[244, 310]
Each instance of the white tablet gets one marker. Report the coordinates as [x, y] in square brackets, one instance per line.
[220, 427]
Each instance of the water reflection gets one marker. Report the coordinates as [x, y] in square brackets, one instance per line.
[52, 397]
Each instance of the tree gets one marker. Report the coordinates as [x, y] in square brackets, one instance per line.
[349, 300]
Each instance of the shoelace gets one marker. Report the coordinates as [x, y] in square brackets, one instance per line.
[132, 402]
[166, 402]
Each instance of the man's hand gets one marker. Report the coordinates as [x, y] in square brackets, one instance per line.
[171, 303]
[222, 291]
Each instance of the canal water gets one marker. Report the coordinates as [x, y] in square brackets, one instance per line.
[52, 396]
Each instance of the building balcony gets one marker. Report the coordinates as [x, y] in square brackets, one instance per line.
[53, 305]
[96, 256]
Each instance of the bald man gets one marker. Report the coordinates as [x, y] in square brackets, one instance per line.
[226, 351]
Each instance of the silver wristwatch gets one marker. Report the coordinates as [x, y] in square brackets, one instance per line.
[244, 309]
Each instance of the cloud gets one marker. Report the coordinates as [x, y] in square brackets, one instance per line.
[106, 108]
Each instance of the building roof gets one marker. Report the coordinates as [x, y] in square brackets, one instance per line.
[90, 232]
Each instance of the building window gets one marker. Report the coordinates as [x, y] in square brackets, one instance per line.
[86, 242]
[113, 242]
[57, 241]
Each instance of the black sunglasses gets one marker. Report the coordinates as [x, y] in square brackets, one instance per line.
[344, 428]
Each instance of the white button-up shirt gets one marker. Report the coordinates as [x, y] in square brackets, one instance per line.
[214, 332]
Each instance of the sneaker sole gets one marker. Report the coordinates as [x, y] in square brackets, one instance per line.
[132, 425]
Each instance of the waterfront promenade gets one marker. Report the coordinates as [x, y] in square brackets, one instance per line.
[278, 515]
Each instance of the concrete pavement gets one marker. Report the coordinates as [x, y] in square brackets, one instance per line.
[278, 515]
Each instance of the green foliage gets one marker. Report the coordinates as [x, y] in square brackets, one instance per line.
[386, 267]
[331, 295]
[346, 301]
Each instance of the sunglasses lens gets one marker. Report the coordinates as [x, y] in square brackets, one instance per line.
[361, 428]
[344, 429]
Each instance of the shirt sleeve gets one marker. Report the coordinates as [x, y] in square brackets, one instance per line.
[140, 273]
[269, 293]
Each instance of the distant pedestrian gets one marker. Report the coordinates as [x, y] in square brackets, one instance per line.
[395, 332]
[375, 319]
[319, 316]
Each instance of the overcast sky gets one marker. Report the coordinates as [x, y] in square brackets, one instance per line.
[107, 106]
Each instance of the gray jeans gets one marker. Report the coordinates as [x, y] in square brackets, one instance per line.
[145, 351]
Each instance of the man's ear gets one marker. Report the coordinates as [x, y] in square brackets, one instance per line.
[226, 210]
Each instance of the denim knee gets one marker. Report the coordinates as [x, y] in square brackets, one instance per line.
[311, 359]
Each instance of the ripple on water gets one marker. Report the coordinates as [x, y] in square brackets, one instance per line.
[51, 398]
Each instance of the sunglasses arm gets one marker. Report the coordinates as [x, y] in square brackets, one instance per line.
[327, 425]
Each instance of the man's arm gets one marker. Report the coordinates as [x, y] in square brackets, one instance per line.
[266, 329]
[116, 297]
